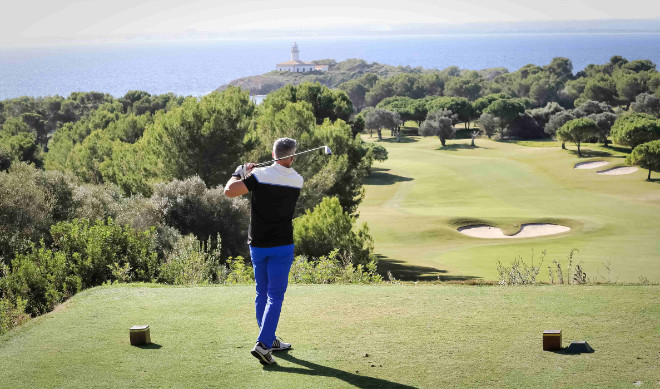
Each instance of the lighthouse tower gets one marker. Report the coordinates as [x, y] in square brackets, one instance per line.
[294, 52]
[298, 66]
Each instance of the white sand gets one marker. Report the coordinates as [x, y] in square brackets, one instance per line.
[590, 165]
[616, 171]
[526, 231]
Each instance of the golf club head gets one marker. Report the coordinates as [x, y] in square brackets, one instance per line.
[326, 150]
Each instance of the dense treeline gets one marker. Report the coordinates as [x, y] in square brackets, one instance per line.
[96, 189]
[618, 100]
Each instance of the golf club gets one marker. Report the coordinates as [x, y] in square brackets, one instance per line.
[326, 151]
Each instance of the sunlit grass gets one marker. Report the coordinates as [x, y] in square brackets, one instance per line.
[416, 200]
[343, 336]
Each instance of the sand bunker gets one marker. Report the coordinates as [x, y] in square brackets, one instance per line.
[526, 231]
[615, 171]
[590, 165]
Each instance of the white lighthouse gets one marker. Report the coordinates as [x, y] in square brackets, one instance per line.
[298, 66]
[295, 53]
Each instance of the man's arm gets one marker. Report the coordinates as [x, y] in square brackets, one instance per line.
[235, 187]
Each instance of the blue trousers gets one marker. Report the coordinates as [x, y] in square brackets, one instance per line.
[271, 273]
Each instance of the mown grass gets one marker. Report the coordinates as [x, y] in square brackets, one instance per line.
[416, 200]
[344, 336]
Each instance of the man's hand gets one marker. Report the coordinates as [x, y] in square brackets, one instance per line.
[243, 171]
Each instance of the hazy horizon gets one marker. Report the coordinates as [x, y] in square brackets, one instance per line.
[31, 22]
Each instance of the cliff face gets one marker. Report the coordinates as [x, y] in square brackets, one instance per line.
[338, 72]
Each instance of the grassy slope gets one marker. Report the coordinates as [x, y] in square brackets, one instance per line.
[417, 198]
[421, 336]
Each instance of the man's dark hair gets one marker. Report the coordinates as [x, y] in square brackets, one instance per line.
[283, 147]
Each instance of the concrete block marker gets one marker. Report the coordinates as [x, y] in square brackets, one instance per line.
[552, 340]
[140, 335]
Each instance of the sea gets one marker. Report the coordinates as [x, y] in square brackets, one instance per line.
[198, 68]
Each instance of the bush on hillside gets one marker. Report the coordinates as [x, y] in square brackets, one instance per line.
[326, 228]
[191, 208]
[42, 277]
[92, 248]
[525, 127]
[329, 269]
[633, 129]
[26, 209]
[12, 313]
[190, 263]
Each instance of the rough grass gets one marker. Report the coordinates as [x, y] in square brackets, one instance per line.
[344, 336]
[417, 199]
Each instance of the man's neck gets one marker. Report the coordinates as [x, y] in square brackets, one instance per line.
[286, 164]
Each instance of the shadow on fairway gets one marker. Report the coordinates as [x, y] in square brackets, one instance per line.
[359, 381]
[404, 139]
[566, 351]
[381, 178]
[621, 149]
[460, 146]
[406, 272]
[150, 346]
[591, 153]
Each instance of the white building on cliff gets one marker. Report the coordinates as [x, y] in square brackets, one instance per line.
[298, 66]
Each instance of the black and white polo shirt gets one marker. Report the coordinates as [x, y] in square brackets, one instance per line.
[275, 190]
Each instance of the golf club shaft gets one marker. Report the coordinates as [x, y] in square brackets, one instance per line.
[288, 156]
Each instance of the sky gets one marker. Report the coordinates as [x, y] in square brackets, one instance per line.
[26, 22]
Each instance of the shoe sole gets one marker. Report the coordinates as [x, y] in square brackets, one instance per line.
[260, 357]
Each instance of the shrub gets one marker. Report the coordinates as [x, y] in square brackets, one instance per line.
[520, 272]
[380, 152]
[190, 263]
[325, 228]
[139, 212]
[191, 208]
[237, 271]
[96, 201]
[26, 210]
[329, 269]
[41, 277]
[525, 127]
[92, 249]
[633, 129]
[12, 313]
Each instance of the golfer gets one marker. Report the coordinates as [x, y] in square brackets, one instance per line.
[275, 190]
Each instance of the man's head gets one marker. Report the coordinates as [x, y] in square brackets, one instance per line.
[283, 147]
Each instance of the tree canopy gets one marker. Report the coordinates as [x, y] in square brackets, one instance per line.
[578, 131]
[647, 156]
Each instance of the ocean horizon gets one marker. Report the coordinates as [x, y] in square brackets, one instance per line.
[198, 67]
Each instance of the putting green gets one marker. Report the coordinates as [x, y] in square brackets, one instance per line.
[365, 336]
[417, 199]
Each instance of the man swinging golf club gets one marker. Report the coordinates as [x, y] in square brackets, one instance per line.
[275, 191]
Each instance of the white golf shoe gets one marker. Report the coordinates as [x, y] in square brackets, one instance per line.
[263, 354]
[278, 345]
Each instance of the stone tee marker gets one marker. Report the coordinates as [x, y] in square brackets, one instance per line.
[140, 335]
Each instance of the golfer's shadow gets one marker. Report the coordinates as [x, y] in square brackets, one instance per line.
[356, 380]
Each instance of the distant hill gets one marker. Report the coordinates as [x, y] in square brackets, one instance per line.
[338, 72]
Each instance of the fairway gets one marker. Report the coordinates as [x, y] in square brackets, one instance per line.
[417, 199]
[343, 336]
